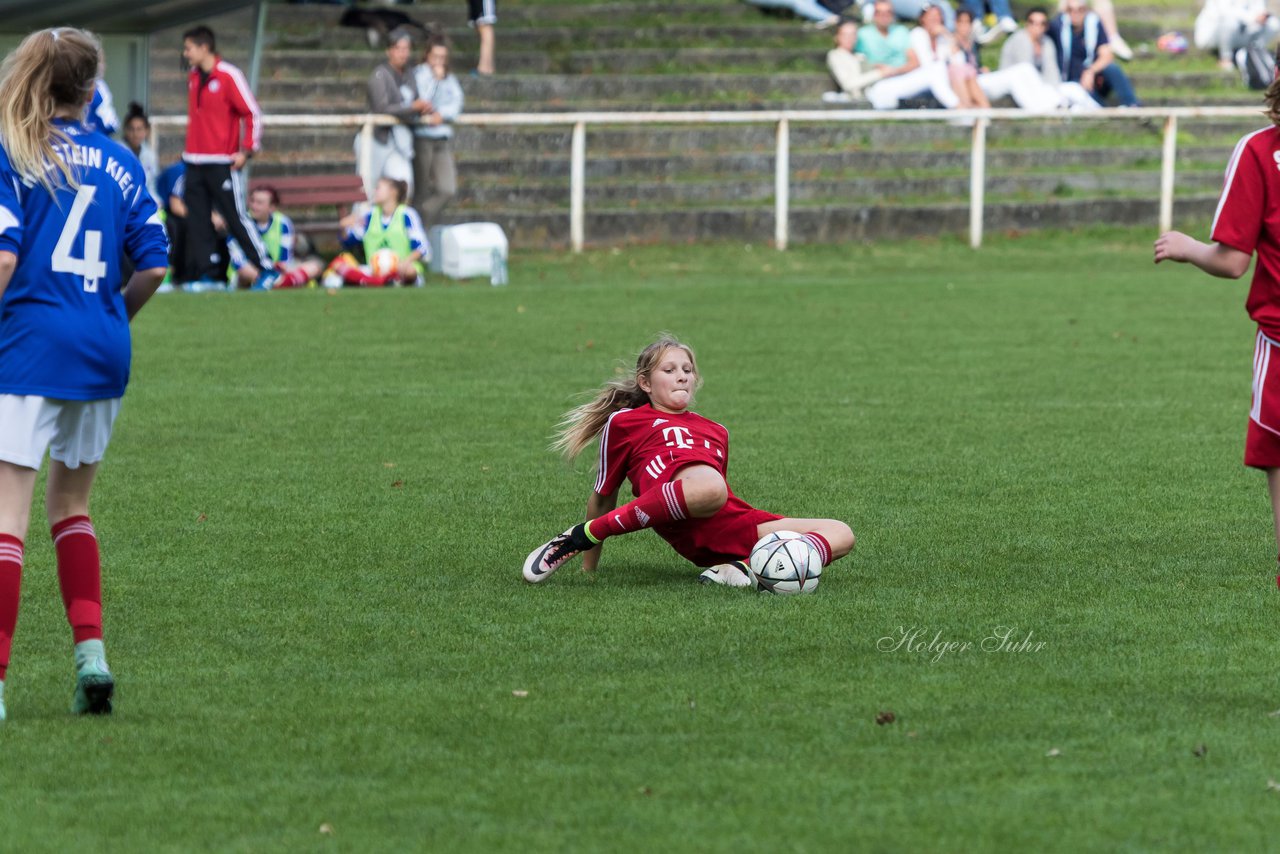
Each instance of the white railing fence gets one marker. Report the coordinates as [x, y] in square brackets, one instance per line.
[782, 119]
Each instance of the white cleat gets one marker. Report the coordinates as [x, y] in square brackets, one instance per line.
[732, 574]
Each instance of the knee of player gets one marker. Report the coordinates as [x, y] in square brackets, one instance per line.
[705, 496]
[842, 539]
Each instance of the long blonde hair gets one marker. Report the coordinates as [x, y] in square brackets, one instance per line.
[51, 69]
[582, 424]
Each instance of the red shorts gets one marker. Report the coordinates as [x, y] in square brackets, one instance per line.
[1262, 441]
[728, 535]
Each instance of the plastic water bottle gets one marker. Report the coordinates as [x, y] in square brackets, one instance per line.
[497, 268]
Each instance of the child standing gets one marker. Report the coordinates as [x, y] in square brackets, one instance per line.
[676, 461]
[1248, 221]
[435, 176]
[72, 204]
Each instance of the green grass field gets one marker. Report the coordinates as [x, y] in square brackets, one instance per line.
[315, 508]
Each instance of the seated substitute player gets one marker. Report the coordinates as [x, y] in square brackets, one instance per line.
[1248, 221]
[389, 224]
[277, 233]
[676, 461]
[73, 204]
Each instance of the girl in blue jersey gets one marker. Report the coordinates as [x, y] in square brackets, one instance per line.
[72, 202]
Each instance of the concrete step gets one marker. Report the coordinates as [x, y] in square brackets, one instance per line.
[829, 223]
[288, 63]
[889, 190]
[708, 139]
[649, 168]
[643, 89]
[609, 35]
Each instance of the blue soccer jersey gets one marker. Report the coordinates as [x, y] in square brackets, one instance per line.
[64, 331]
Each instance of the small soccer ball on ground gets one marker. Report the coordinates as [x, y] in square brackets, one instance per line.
[383, 263]
[786, 563]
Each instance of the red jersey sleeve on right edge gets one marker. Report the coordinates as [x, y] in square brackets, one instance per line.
[1241, 209]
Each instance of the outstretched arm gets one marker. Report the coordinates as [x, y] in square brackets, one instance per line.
[597, 505]
[1216, 259]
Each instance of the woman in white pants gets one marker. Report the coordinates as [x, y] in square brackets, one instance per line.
[924, 71]
[1030, 46]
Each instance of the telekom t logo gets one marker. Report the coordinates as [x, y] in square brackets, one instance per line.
[677, 437]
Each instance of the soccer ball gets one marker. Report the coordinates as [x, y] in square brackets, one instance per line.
[784, 562]
[384, 263]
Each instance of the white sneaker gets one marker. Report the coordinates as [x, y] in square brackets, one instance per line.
[731, 574]
[982, 35]
[1009, 25]
[1121, 49]
[837, 98]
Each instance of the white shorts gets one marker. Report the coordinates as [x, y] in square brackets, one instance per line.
[74, 432]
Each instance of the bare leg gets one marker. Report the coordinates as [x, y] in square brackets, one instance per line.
[704, 490]
[1273, 487]
[67, 493]
[17, 485]
[836, 533]
[484, 65]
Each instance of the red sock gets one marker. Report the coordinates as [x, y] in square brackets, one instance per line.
[820, 543]
[356, 276]
[665, 504]
[79, 576]
[10, 588]
[293, 279]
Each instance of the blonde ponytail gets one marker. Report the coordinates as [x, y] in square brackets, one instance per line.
[580, 425]
[51, 70]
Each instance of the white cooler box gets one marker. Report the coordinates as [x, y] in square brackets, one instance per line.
[466, 250]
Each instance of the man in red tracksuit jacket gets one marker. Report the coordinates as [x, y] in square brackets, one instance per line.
[218, 102]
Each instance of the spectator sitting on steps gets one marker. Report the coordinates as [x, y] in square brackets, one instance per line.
[1229, 25]
[964, 66]
[847, 67]
[277, 233]
[1030, 45]
[1085, 55]
[887, 47]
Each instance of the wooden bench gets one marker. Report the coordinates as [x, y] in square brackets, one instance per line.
[298, 193]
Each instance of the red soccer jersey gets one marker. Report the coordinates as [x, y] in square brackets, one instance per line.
[217, 105]
[647, 446]
[1248, 219]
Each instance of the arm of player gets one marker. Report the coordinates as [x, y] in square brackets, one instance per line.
[8, 263]
[1216, 259]
[141, 285]
[597, 505]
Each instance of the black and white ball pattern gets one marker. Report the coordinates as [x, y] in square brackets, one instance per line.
[783, 562]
